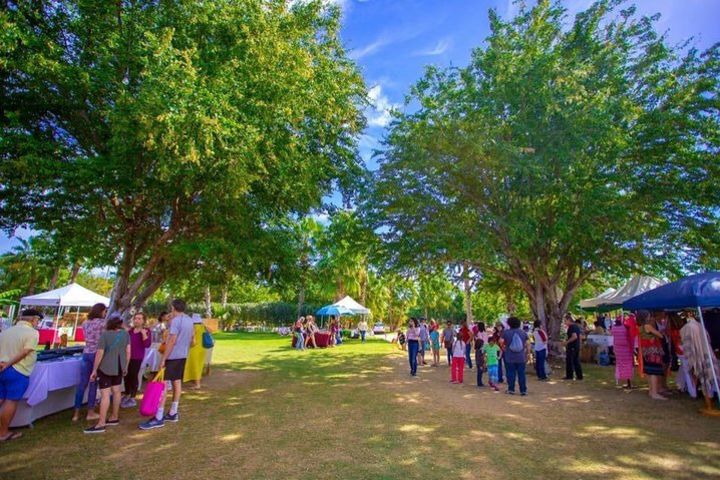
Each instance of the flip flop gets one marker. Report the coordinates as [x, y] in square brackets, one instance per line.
[11, 436]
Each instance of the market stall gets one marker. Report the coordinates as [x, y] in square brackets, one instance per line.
[696, 292]
[69, 296]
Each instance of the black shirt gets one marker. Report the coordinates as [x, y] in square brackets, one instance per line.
[574, 328]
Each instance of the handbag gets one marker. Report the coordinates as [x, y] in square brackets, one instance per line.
[153, 394]
[207, 339]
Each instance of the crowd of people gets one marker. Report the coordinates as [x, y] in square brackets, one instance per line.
[502, 351]
[112, 357]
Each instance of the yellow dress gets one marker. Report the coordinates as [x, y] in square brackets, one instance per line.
[196, 356]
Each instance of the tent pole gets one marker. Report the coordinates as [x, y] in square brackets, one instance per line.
[709, 355]
[77, 314]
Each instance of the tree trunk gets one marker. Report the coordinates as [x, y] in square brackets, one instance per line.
[467, 288]
[301, 299]
[224, 297]
[75, 271]
[54, 278]
[208, 302]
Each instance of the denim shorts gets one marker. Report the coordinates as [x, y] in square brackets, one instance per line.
[13, 384]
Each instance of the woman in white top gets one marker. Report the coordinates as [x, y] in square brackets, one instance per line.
[413, 341]
[540, 347]
[458, 360]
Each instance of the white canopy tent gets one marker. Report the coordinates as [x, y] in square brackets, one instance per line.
[592, 303]
[73, 295]
[351, 304]
[637, 285]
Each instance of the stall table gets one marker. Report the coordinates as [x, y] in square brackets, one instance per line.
[51, 390]
[321, 338]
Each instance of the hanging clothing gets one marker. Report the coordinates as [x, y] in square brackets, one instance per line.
[694, 344]
[623, 347]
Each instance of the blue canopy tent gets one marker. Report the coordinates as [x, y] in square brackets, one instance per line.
[696, 291]
[337, 310]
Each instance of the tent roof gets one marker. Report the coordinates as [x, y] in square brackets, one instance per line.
[593, 303]
[636, 286]
[701, 290]
[334, 310]
[72, 295]
[351, 304]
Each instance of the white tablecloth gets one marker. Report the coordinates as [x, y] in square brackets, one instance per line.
[51, 390]
[597, 340]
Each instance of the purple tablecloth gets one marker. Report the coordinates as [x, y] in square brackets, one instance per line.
[50, 376]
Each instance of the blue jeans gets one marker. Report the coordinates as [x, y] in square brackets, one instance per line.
[362, 336]
[338, 338]
[449, 351]
[500, 370]
[516, 370]
[468, 357]
[413, 347]
[88, 359]
[479, 376]
[300, 343]
[540, 357]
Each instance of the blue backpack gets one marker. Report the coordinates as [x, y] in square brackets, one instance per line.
[208, 341]
[516, 345]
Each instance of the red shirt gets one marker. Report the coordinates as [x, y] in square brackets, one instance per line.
[465, 334]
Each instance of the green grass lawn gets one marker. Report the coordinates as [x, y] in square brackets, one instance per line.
[353, 412]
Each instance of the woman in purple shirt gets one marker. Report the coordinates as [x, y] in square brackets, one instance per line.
[140, 339]
[93, 327]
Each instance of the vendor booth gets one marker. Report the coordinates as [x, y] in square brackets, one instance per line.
[696, 292]
[53, 382]
[67, 297]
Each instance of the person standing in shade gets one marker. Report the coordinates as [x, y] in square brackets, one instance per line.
[467, 337]
[435, 343]
[195, 362]
[362, 328]
[17, 361]
[515, 356]
[424, 341]
[458, 360]
[413, 340]
[111, 365]
[140, 340]
[540, 347]
[181, 336]
[448, 336]
[93, 328]
[572, 349]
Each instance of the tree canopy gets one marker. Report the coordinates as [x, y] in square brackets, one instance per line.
[147, 130]
[565, 147]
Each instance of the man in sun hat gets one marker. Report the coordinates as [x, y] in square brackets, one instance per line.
[17, 361]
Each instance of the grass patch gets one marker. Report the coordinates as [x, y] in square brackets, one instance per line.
[353, 412]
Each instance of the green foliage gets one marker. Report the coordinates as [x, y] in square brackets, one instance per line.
[157, 133]
[556, 153]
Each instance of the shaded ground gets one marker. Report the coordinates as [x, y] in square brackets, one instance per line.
[354, 413]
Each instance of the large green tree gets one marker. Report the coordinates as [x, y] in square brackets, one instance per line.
[145, 127]
[566, 147]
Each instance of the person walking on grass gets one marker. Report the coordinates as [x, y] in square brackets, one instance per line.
[17, 361]
[140, 339]
[435, 343]
[458, 360]
[515, 356]
[424, 341]
[479, 360]
[540, 348]
[111, 365]
[362, 329]
[299, 337]
[93, 328]
[311, 330]
[572, 349]
[448, 337]
[467, 336]
[492, 360]
[413, 341]
[181, 336]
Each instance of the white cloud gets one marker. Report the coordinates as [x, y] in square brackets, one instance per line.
[441, 47]
[370, 48]
[379, 113]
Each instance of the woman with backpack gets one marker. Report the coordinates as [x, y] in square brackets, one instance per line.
[540, 347]
[515, 356]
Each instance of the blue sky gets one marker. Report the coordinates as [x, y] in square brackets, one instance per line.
[393, 40]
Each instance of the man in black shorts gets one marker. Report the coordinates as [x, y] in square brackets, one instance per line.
[181, 336]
